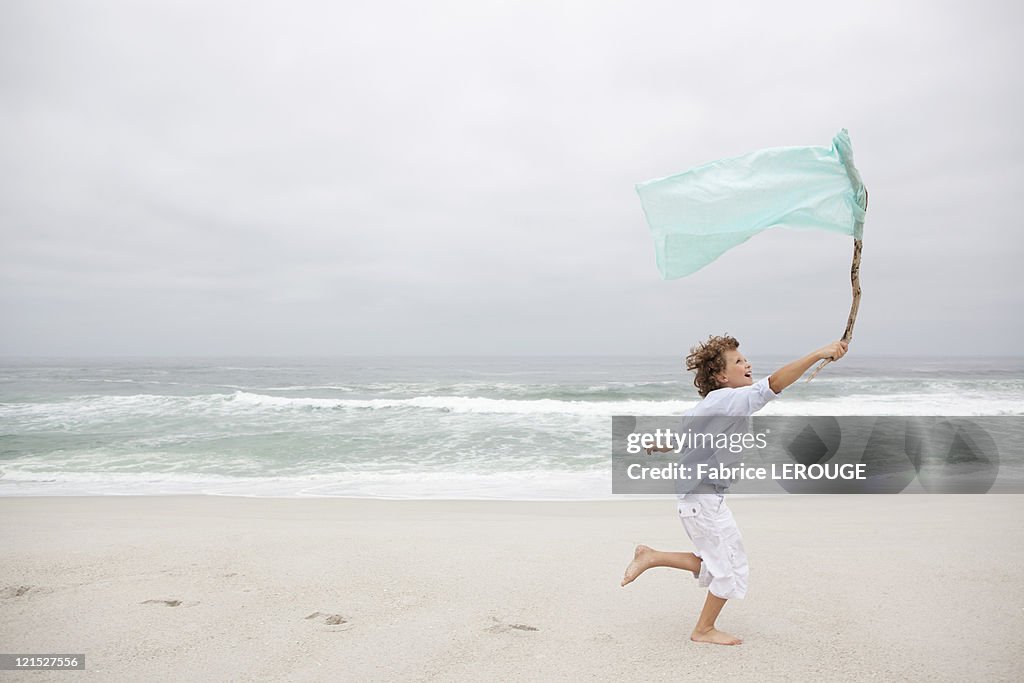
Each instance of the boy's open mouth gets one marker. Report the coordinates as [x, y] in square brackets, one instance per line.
[748, 374]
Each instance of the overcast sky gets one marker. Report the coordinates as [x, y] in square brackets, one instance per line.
[239, 178]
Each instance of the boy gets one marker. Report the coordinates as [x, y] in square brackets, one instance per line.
[724, 381]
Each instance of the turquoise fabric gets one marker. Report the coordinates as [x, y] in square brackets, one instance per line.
[698, 215]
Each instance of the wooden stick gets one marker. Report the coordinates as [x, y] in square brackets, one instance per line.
[855, 281]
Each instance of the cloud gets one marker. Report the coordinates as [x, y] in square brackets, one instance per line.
[458, 177]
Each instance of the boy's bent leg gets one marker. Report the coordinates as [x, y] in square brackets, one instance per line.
[705, 631]
[645, 557]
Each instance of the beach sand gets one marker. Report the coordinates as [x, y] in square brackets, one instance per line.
[247, 589]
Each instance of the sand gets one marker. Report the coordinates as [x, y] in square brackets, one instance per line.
[247, 589]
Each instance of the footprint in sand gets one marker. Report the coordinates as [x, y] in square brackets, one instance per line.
[15, 591]
[168, 603]
[502, 627]
[329, 619]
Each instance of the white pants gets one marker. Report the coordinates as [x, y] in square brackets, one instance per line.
[710, 525]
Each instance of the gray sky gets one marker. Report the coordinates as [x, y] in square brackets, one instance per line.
[206, 178]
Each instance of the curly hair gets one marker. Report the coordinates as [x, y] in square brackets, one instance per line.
[707, 360]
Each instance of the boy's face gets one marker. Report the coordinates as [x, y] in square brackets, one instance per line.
[737, 371]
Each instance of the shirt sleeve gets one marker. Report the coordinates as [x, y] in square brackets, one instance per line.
[749, 400]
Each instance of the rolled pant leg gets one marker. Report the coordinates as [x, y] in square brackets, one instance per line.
[710, 525]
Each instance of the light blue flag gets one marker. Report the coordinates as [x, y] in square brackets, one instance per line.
[698, 215]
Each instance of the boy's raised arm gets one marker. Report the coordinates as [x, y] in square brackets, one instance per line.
[791, 372]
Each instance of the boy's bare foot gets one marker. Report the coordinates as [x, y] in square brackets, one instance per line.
[714, 636]
[640, 564]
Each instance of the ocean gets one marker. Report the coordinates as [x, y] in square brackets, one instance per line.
[525, 428]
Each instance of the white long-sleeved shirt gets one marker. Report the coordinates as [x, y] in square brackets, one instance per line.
[735, 401]
[725, 402]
